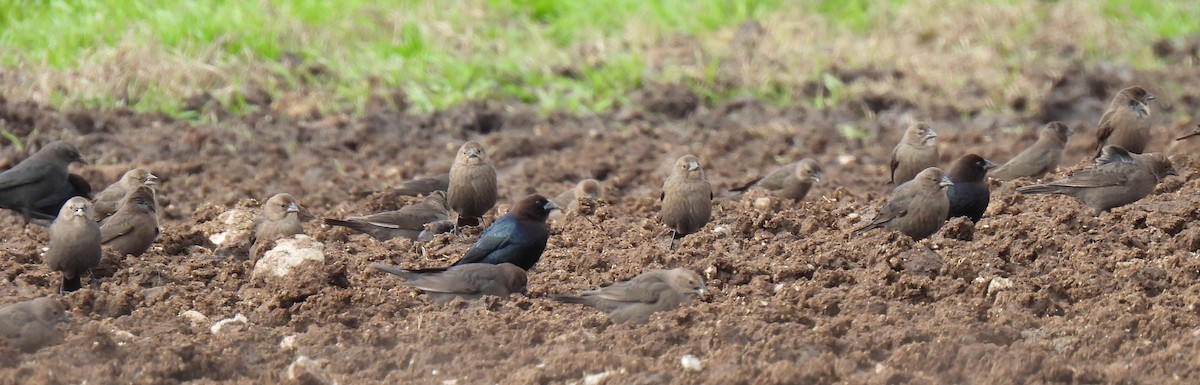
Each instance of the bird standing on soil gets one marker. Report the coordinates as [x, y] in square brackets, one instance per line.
[518, 237]
[637, 299]
[29, 325]
[916, 151]
[587, 190]
[1040, 158]
[75, 186]
[918, 207]
[468, 281]
[281, 217]
[1118, 178]
[407, 222]
[789, 182]
[1126, 123]
[108, 201]
[686, 198]
[74, 246]
[35, 178]
[134, 227]
[969, 196]
[472, 188]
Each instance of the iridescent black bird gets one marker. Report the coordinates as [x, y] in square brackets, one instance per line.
[969, 195]
[518, 237]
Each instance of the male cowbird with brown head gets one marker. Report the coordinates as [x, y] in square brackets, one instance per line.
[75, 186]
[37, 177]
[686, 198]
[635, 300]
[134, 227]
[1118, 178]
[918, 207]
[916, 151]
[108, 201]
[518, 237]
[407, 222]
[791, 181]
[472, 189]
[74, 246]
[29, 325]
[1126, 123]
[468, 281]
[969, 196]
[1040, 158]
[280, 217]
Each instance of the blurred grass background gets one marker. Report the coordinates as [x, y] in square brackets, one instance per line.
[580, 56]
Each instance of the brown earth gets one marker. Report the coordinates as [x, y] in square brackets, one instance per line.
[1044, 293]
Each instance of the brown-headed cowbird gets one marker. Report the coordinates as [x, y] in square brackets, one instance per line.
[637, 299]
[29, 325]
[432, 229]
[134, 227]
[108, 201]
[916, 151]
[1195, 132]
[918, 207]
[407, 222]
[472, 189]
[37, 177]
[1040, 158]
[518, 237]
[587, 190]
[1126, 123]
[468, 281]
[969, 196]
[1118, 178]
[791, 181]
[686, 198]
[74, 246]
[280, 217]
[76, 186]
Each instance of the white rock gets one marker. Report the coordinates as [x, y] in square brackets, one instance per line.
[216, 327]
[237, 224]
[287, 254]
[288, 342]
[195, 317]
[594, 379]
[303, 365]
[999, 284]
[690, 362]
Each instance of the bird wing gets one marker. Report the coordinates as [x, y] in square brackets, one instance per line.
[20, 177]
[894, 165]
[446, 282]
[114, 229]
[631, 292]
[1093, 177]
[1104, 129]
[494, 238]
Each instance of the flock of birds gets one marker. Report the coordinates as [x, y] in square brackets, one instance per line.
[122, 217]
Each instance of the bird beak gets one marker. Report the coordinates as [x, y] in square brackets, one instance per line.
[473, 152]
[988, 165]
[550, 206]
[80, 212]
[816, 177]
[1149, 97]
[1171, 171]
[80, 160]
[150, 180]
[64, 318]
[693, 166]
[945, 182]
[702, 291]
[930, 135]
[525, 291]
[293, 208]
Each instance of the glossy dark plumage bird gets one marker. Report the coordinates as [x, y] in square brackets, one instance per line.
[791, 181]
[969, 196]
[918, 207]
[1040, 158]
[468, 281]
[518, 237]
[23, 187]
[75, 186]
[916, 151]
[1118, 178]
[1126, 123]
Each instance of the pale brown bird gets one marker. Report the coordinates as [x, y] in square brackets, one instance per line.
[1040, 158]
[108, 201]
[37, 177]
[918, 207]
[468, 281]
[29, 325]
[916, 151]
[637, 299]
[74, 246]
[472, 189]
[1126, 123]
[280, 217]
[407, 222]
[686, 198]
[1118, 178]
[791, 181]
[134, 227]
[587, 190]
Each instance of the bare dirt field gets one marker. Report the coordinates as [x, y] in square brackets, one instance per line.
[1040, 291]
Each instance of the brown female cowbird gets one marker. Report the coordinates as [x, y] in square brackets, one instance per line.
[280, 217]
[108, 201]
[472, 189]
[587, 190]
[637, 299]
[1195, 132]
[969, 195]
[1118, 178]
[134, 227]
[29, 325]
[76, 186]
[407, 222]
[916, 151]
[918, 207]
[37, 177]
[686, 198]
[1040, 158]
[468, 281]
[789, 182]
[1127, 121]
[74, 246]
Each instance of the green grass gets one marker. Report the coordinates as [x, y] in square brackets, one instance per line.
[575, 55]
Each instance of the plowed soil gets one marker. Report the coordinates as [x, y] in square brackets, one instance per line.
[1040, 291]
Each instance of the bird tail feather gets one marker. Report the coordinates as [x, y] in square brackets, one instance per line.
[390, 269]
[571, 299]
[1038, 189]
